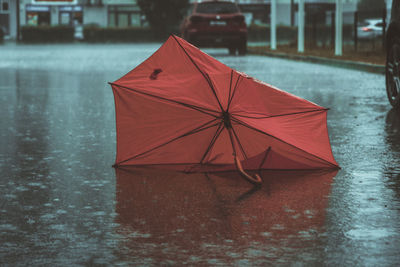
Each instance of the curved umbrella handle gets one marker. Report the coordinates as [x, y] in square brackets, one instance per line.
[254, 180]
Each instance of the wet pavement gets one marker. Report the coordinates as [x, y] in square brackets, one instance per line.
[62, 204]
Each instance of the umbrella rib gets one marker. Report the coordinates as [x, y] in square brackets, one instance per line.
[230, 89]
[232, 143]
[265, 157]
[281, 115]
[240, 144]
[213, 90]
[250, 127]
[215, 137]
[193, 131]
[233, 94]
[202, 73]
[200, 109]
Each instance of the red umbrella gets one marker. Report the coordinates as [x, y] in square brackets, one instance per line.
[183, 109]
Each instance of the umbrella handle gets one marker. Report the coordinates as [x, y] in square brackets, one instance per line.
[254, 180]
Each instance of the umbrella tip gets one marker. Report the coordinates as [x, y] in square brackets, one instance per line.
[155, 73]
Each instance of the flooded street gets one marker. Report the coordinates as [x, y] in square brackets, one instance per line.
[62, 204]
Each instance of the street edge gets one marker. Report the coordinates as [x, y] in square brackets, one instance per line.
[367, 67]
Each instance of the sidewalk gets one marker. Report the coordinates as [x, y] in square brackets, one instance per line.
[257, 49]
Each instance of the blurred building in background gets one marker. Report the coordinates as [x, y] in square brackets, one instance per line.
[255, 10]
[104, 13]
[113, 13]
[45, 12]
[8, 19]
[126, 13]
[122, 13]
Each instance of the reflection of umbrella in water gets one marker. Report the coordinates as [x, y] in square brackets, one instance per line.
[172, 215]
[185, 110]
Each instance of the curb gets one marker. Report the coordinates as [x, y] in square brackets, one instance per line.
[368, 67]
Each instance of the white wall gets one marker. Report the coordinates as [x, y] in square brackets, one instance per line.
[22, 14]
[54, 15]
[13, 19]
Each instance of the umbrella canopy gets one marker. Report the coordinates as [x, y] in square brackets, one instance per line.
[183, 109]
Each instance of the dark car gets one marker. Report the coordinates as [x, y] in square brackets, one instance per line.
[393, 56]
[216, 24]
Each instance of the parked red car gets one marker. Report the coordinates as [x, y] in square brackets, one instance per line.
[216, 24]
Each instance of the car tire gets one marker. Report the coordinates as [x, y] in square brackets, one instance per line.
[242, 48]
[393, 73]
[232, 50]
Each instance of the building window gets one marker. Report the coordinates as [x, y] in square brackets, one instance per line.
[123, 20]
[37, 15]
[5, 17]
[94, 2]
[70, 15]
[135, 20]
[38, 18]
[124, 16]
[111, 20]
[4, 6]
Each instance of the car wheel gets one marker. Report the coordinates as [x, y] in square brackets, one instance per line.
[232, 50]
[393, 73]
[242, 49]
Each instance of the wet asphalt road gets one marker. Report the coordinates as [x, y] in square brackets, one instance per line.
[62, 204]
